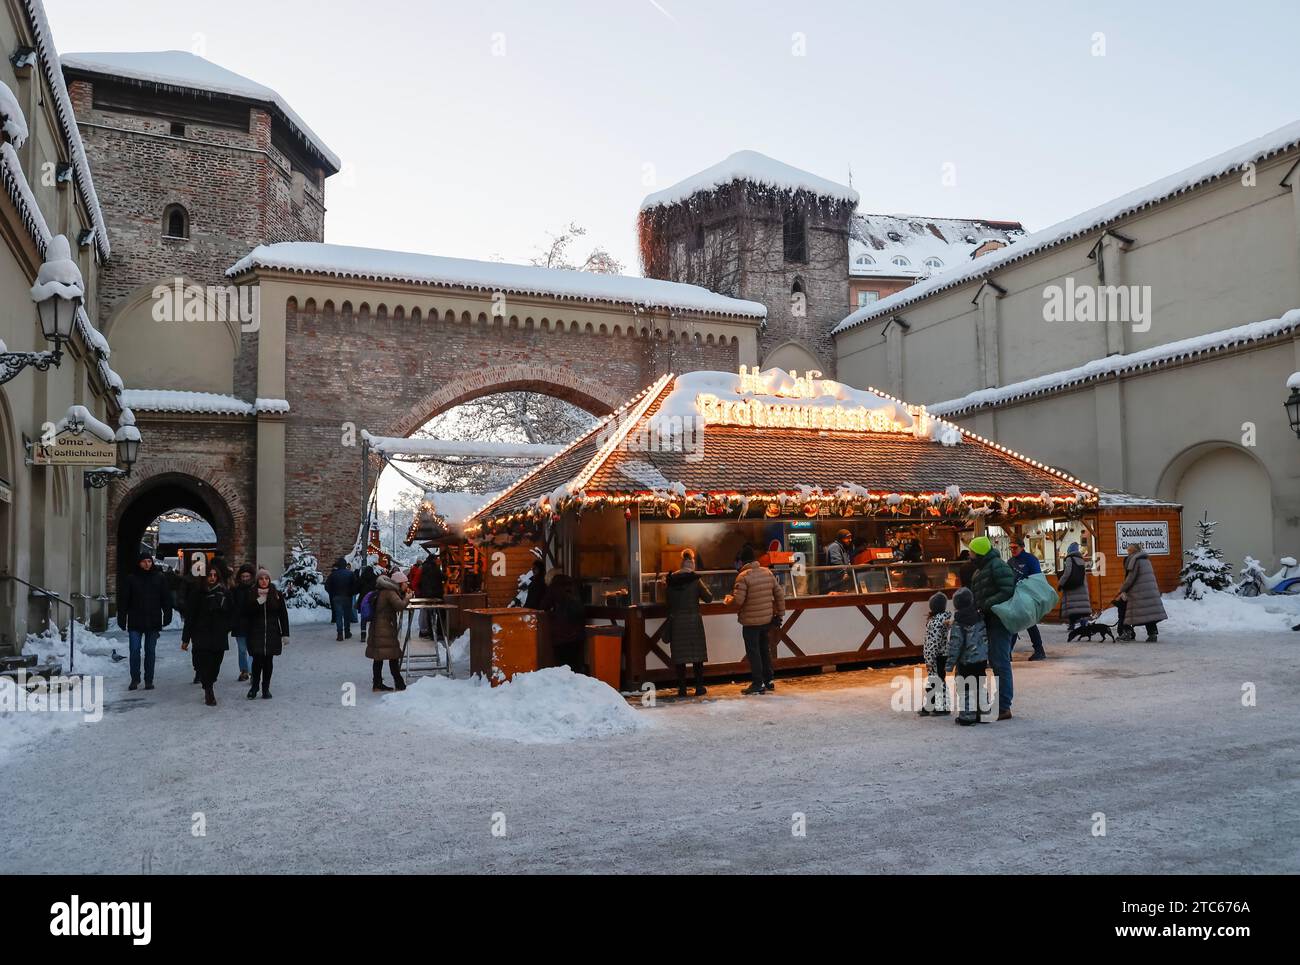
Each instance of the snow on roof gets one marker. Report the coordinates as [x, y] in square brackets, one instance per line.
[49, 60]
[315, 258]
[1231, 161]
[1115, 364]
[180, 68]
[187, 532]
[1110, 498]
[398, 445]
[756, 168]
[876, 239]
[208, 403]
[15, 124]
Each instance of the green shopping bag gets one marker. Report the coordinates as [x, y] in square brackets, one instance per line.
[1033, 599]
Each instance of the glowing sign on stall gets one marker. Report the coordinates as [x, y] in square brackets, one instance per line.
[827, 412]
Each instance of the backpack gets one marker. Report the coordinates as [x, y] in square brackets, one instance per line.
[1075, 579]
[368, 606]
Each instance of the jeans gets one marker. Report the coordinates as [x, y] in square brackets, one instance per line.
[1035, 637]
[342, 607]
[759, 654]
[150, 650]
[242, 643]
[1000, 659]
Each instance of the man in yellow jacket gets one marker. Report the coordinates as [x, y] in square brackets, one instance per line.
[761, 600]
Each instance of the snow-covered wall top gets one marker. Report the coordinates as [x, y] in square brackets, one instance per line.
[48, 55]
[1273, 143]
[182, 69]
[207, 403]
[757, 169]
[401, 446]
[1115, 364]
[315, 258]
[876, 239]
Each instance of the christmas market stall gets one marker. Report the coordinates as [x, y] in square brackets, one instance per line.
[786, 465]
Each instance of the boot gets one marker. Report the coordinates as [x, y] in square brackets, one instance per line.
[379, 686]
[243, 676]
[134, 685]
[148, 685]
[252, 692]
[209, 697]
[363, 634]
[339, 637]
[699, 680]
[752, 689]
[266, 693]
[1004, 714]
[196, 677]
[348, 633]
[398, 682]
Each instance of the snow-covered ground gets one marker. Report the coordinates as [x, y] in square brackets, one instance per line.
[1155, 737]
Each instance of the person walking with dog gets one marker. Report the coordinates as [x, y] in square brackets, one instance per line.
[761, 600]
[1139, 596]
[1025, 563]
[994, 582]
[1072, 581]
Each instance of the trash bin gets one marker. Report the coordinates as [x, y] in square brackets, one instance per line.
[504, 641]
[605, 653]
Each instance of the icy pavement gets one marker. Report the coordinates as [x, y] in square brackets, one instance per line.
[1155, 737]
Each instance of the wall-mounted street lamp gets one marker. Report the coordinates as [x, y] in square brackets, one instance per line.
[58, 294]
[1292, 404]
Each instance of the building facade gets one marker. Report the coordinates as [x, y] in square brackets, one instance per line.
[51, 523]
[1143, 345]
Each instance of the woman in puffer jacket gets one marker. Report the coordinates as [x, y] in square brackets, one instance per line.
[1139, 596]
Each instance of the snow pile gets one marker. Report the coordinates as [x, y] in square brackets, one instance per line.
[15, 125]
[18, 728]
[1223, 612]
[551, 706]
[1229, 162]
[680, 404]
[345, 261]
[58, 275]
[757, 169]
[180, 68]
[1115, 364]
[93, 653]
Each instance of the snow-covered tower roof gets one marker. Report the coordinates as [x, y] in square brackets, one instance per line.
[755, 169]
[180, 70]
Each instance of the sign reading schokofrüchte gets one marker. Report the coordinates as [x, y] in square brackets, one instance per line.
[1152, 536]
[75, 450]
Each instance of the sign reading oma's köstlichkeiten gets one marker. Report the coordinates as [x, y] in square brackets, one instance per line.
[75, 450]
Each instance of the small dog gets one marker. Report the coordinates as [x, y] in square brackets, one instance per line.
[1105, 630]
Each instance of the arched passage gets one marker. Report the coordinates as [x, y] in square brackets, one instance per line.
[1233, 487]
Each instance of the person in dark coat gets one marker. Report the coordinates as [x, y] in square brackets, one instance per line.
[840, 553]
[994, 582]
[341, 586]
[1072, 581]
[568, 624]
[1024, 564]
[365, 585]
[684, 628]
[966, 568]
[265, 620]
[239, 596]
[145, 608]
[431, 587]
[207, 629]
[536, 586]
[1139, 596]
[394, 593]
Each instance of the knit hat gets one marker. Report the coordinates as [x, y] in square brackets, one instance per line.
[143, 555]
[1072, 548]
[688, 559]
[938, 604]
[843, 534]
[261, 572]
[398, 577]
[963, 599]
[980, 545]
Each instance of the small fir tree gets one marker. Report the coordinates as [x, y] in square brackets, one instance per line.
[302, 583]
[1205, 568]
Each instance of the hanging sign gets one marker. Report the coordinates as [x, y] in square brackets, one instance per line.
[1152, 536]
[75, 450]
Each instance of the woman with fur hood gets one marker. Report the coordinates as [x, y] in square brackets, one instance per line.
[1139, 596]
[383, 644]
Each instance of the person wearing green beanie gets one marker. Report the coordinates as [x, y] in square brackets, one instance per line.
[994, 582]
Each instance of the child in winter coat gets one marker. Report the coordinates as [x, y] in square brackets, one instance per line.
[935, 702]
[968, 651]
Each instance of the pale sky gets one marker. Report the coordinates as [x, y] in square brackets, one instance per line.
[453, 149]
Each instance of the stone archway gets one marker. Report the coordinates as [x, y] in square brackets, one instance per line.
[1233, 486]
[175, 484]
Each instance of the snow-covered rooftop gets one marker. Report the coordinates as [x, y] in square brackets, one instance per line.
[206, 403]
[757, 169]
[187, 71]
[1184, 348]
[927, 245]
[315, 258]
[1113, 498]
[187, 532]
[1229, 162]
[439, 448]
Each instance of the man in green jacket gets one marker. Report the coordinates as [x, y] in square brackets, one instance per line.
[994, 582]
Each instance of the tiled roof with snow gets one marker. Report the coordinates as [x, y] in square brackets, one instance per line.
[1230, 162]
[180, 69]
[315, 258]
[756, 169]
[875, 240]
[48, 56]
[1169, 353]
[199, 403]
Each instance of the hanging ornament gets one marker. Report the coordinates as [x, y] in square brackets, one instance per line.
[674, 510]
[772, 510]
[810, 509]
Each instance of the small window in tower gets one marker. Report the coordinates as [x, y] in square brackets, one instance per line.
[794, 236]
[176, 222]
[178, 129]
[900, 261]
